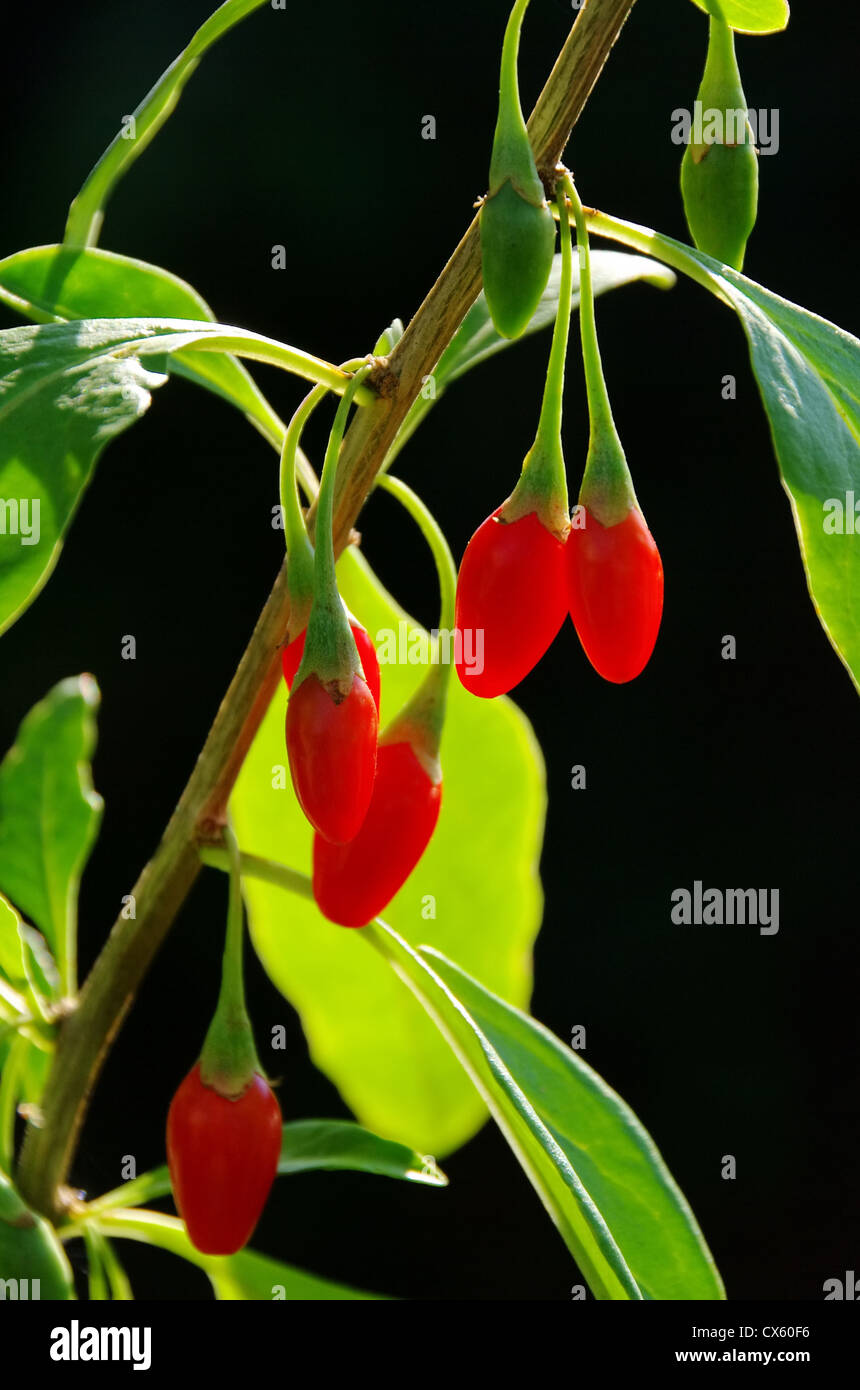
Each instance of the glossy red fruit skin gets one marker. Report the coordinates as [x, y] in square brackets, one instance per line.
[292, 654]
[223, 1156]
[512, 586]
[615, 590]
[332, 751]
[354, 882]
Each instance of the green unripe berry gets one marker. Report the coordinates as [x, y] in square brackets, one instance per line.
[719, 178]
[517, 246]
[720, 198]
[517, 227]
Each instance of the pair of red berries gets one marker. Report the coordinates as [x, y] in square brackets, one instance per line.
[518, 580]
[373, 805]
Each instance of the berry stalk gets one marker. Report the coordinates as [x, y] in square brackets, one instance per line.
[607, 487]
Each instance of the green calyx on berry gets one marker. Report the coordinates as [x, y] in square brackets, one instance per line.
[607, 488]
[517, 227]
[330, 653]
[542, 486]
[719, 170]
[228, 1061]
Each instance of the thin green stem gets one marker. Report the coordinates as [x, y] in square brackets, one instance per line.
[96, 1280]
[435, 538]
[120, 1286]
[267, 870]
[430, 700]
[599, 408]
[549, 424]
[147, 1188]
[232, 995]
[86, 213]
[324, 561]
[255, 346]
[330, 654]
[299, 548]
[509, 87]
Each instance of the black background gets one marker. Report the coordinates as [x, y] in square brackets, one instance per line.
[303, 127]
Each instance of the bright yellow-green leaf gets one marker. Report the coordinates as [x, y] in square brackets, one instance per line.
[749, 16]
[479, 878]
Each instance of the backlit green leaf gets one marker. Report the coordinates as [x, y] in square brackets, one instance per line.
[593, 1165]
[49, 817]
[475, 893]
[339, 1144]
[808, 372]
[47, 283]
[749, 16]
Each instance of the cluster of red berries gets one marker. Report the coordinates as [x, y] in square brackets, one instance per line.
[518, 580]
[373, 803]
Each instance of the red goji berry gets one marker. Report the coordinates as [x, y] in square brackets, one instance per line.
[511, 597]
[223, 1157]
[615, 588]
[331, 744]
[354, 882]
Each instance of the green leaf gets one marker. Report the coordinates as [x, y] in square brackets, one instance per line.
[307, 1144]
[477, 339]
[363, 1030]
[749, 16]
[808, 372]
[19, 1001]
[87, 210]
[339, 1144]
[233, 1277]
[65, 390]
[29, 1250]
[57, 412]
[596, 1170]
[12, 968]
[47, 283]
[389, 338]
[50, 814]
